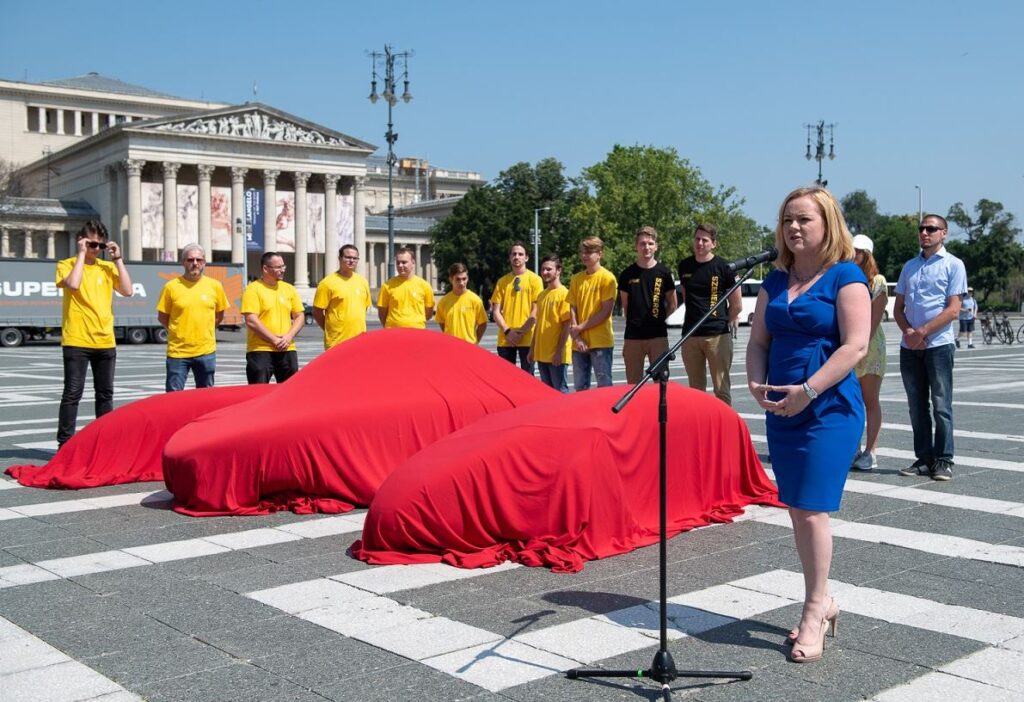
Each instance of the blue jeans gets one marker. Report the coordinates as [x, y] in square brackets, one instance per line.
[509, 353]
[76, 360]
[928, 375]
[202, 368]
[553, 376]
[598, 359]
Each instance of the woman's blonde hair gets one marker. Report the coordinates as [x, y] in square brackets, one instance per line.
[838, 243]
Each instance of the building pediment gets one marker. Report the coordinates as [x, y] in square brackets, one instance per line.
[254, 121]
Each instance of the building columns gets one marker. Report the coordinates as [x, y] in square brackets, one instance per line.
[78, 123]
[359, 218]
[133, 167]
[60, 121]
[238, 239]
[170, 251]
[95, 122]
[51, 245]
[29, 250]
[114, 203]
[301, 231]
[270, 209]
[331, 224]
[205, 211]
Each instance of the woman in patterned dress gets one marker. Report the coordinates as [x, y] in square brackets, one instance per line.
[871, 368]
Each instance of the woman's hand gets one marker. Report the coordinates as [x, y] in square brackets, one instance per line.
[794, 402]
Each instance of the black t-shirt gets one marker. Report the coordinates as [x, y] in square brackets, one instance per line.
[648, 290]
[704, 283]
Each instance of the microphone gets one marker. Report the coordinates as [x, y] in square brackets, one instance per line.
[751, 261]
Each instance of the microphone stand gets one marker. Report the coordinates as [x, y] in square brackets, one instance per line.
[663, 668]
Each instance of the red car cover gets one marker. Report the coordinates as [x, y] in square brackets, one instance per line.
[560, 482]
[325, 440]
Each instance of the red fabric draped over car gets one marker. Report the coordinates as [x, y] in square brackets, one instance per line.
[560, 482]
[325, 440]
[126, 445]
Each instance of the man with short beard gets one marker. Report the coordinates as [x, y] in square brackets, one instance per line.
[514, 308]
[190, 308]
[273, 315]
[342, 300]
[406, 301]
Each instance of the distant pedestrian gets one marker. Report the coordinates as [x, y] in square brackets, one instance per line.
[514, 308]
[968, 311]
[591, 298]
[190, 308]
[648, 295]
[870, 370]
[550, 347]
[87, 322]
[703, 279]
[461, 312]
[927, 301]
[406, 301]
[342, 300]
[274, 315]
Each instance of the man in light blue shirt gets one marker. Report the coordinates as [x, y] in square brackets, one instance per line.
[928, 297]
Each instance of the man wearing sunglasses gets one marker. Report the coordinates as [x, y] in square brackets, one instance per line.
[927, 303]
[514, 308]
[190, 308]
[342, 299]
[87, 322]
[274, 315]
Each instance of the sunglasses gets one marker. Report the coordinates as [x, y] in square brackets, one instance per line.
[96, 244]
[517, 284]
[929, 228]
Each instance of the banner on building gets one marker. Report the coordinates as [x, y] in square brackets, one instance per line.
[254, 215]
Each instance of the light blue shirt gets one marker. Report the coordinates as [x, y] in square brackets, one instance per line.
[968, 308]
[926, 285]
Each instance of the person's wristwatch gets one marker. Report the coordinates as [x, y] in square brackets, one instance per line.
[811, 392]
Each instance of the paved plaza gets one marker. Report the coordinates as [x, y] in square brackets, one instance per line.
[106, 594]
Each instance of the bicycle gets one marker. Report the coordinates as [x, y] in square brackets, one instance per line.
[1003, 330]
[987, 332]
[1020, 334]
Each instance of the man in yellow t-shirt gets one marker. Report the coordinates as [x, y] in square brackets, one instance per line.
[514, 308]
[273, 315]
[551, 347]
[591, 298]
[190, 308]
[405, 301]
[87, 322]
[461, 312]
[342, 299]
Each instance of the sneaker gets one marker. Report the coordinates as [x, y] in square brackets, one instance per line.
[864, 461]
[970, 346]
[918, 467]
[958, 343]
[942, 470]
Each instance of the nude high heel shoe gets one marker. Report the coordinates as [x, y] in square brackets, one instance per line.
[802, 653]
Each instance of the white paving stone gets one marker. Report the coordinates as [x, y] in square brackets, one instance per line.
[992, 666]
[943, 687]
[99, 562]
[252, 538]
[988, 627]
[60, 507]
[131, 498]
[176, 550]
[63, 682]
[24, 574]
[505, 664]
[730, 601]
[393, 578]
[682, 621]
[6, 484]
[364, 616]
[587, 640]
[23, 651]
[426, 638]
[316, 528]
[309, 594]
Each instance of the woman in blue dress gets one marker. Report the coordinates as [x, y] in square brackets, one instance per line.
[811, 327]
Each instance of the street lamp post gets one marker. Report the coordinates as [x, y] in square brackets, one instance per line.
[920, 209]
[536, 236]
[819, 153]
[386, 61]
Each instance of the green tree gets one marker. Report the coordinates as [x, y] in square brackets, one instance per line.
[860, 212]
[990, 252]
[489, 218]
[11, 185]
[895, 239]
[643, 185]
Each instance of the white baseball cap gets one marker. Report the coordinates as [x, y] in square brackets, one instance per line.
[863, 243]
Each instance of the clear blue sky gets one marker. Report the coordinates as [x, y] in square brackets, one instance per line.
[922, 93]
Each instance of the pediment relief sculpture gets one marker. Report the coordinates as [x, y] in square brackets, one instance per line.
[252, 125]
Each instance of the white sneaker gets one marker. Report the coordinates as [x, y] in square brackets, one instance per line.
[864, 461]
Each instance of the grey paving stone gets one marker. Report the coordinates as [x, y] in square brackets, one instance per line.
[876, 561]
[26, 532]
[993, 575]
[408, 682]
[955, 591]
[327, 663]
[279, 634]
[902, 643]
[330, 563]
[966, 524]
[209, 565]
[260, 577]
[199, 607]
[767, 686]
[858, 508]
[858, 674]
[240, 681]
[306, 548]
[57, 548]
[141, 664]
[103, 630]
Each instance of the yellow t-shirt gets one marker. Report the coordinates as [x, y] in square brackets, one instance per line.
[586, 293]
[517, 301]
[193, 308]
[344, 301]
[407, 302]
[552, 313]
[461, 314]
[88, 313]
[274, 307]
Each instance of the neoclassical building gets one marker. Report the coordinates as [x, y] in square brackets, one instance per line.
[239, 179]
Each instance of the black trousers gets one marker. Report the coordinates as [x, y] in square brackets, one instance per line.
[261, 365]
[76, 360]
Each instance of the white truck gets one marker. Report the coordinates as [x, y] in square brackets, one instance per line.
[31, 302]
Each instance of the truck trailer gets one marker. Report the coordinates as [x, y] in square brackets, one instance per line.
[31, 303]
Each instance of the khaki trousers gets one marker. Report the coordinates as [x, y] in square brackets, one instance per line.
[716, 353]
[634, 351]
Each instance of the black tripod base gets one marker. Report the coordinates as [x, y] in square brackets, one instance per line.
[663, 670]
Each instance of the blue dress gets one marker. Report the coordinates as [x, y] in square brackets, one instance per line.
[811, 452]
